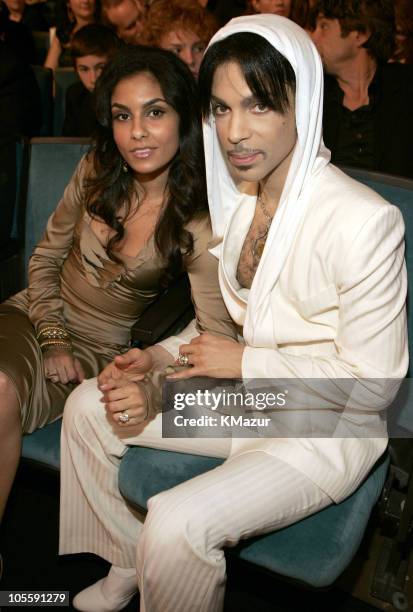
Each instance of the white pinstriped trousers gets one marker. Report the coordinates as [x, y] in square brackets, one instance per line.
[180, 561]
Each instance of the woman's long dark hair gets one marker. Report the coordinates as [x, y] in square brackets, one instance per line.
[111, 189]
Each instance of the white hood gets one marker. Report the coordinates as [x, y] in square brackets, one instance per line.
[309, 158]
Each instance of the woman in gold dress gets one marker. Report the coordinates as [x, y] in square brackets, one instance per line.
[132, 217]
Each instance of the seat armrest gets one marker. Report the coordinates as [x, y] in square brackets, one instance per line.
[167, 315]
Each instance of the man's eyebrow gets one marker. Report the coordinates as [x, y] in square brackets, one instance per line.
[245, 101]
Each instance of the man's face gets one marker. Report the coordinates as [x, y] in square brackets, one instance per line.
[335, 50]
[15, 6]
[127, 19]
[187, 46]
[276, 7]
[256, 141]
[89, 69]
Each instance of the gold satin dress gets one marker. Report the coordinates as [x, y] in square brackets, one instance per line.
[73, 283]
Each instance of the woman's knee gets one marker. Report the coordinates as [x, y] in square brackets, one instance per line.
[10, 412]
[7, 388]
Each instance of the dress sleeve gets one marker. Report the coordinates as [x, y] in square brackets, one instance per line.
[45, 302]
[211, 313]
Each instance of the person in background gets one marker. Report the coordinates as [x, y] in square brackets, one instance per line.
[16, 36]
[404, 32]
[180, 26]
[70, 18]
[224, 10]
[34, 16]
[368, 122]
[20, 103]
[92, 46]
[126, 17]
[297, 10]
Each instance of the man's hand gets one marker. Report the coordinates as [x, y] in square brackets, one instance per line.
[131, 366]
[123, 397]
[212, 356]
[60, 365]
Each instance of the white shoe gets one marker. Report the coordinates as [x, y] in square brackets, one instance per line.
[109, 594]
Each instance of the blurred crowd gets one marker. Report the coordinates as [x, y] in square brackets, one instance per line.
[366, 47]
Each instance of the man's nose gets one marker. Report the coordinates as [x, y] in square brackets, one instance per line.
[187, 56]
[315, 36]
[238, 129]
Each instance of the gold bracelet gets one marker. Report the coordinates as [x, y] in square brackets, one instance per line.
[53, 333]
[44, 346]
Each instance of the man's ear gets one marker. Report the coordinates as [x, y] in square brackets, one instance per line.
[361, 37]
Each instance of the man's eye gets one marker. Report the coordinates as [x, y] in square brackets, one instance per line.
[260, 108]
[219, 109]
[176, 50]
[200, 48]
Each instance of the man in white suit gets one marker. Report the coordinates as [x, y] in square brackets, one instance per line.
[312, 269]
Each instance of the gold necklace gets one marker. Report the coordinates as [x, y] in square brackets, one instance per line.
[259, 242]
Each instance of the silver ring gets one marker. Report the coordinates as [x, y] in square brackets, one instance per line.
[54, 378]
[124, 417]
[182, 360]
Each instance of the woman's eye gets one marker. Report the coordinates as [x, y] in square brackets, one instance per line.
[156, 113]
[120, 117]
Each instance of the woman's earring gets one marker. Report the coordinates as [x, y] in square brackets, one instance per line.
[125, 167]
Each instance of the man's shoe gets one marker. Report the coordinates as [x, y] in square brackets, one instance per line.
[109, 594]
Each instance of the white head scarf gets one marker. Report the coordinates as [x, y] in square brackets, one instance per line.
[309, 158]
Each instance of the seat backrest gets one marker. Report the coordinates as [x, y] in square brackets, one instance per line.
[44, 78]
[398, 191]
[64, 77]
[52, 163]
[41, 45]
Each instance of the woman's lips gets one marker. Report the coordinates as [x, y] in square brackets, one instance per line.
[142, 153]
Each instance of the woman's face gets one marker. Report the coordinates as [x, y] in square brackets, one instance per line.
[82, 9]
[276, 7]
[145, 126]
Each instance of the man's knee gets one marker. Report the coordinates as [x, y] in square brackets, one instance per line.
[176, 524]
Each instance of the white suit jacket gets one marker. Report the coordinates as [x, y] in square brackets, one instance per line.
[337, 311]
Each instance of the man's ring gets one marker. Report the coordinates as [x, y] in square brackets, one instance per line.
[182, 360]
[124, 417]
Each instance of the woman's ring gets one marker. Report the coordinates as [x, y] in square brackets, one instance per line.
[54, 378]
[124, 417]
[182, 360]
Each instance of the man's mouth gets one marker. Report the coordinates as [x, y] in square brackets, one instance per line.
[242, 158]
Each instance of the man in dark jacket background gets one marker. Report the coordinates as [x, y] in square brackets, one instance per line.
[368, 121]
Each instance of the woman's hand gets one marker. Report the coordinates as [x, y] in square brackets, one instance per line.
[125, 402]
[61, 366]
[212, 356]
[131, 366]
